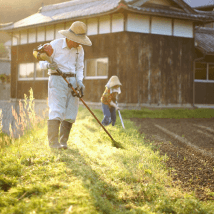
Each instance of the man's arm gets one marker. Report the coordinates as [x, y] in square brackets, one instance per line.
[80, 64]
[79, 68]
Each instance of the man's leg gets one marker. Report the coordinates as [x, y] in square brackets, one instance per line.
[57, 103]
[53, 131]
[65, 129]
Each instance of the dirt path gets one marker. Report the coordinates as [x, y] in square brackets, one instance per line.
[189, 144]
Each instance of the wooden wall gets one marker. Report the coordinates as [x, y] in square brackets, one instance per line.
[153, 69]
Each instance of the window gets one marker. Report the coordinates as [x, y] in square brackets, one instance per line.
[31, 71]
[96, 68]
[204, 72]
[26, 71]
[41, 73]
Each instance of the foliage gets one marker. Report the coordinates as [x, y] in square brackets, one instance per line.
[92, 176]
[5, 78]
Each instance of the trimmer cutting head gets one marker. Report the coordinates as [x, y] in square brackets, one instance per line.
[117, 144]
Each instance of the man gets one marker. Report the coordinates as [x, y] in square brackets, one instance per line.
[68, 55]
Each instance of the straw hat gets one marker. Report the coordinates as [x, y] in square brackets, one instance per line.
[77, 33]
[114, 80]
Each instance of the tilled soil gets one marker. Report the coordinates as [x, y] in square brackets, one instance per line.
[190, 165]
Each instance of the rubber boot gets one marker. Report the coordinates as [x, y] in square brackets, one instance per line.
[65, 129]
[53, 131]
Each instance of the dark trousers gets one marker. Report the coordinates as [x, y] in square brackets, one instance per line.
[109, 115]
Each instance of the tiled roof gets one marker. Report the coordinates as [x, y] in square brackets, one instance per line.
[78, 9]
[75, 9]
[204, 38]
[178, 14]
[208, 5]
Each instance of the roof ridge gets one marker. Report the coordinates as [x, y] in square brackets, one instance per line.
[204, 6]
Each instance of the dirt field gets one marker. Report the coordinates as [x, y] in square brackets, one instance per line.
[189, 144]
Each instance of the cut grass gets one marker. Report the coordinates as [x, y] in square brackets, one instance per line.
[92, 176]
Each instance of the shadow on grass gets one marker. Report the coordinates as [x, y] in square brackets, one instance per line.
[91, 129]
[103, 194]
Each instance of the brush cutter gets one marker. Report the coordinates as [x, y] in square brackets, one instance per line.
[120, 117]
[40, 54]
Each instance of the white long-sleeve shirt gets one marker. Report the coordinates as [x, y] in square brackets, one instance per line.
[68, 60]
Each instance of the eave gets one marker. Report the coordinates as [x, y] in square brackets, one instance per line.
[121, 6]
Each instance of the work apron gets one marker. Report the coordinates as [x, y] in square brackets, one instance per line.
[62, 105]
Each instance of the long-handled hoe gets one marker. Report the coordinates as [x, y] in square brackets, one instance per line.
[45, 57]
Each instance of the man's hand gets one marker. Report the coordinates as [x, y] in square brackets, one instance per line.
[80, 85]
[52, 66]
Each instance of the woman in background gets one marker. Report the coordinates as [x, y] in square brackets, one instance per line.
[109, 100]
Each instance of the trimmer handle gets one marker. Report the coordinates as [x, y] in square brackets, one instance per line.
[77, 93]
[81, 94]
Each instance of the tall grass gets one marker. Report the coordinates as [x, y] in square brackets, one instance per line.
[92, 176]
[25, 118]
[4, 138]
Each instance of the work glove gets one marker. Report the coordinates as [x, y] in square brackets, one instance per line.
[52, 66]
[80, 85]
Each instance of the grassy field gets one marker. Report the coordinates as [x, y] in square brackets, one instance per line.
[169, 113]
[93, 176]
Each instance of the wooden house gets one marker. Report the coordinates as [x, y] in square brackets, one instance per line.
[148, 44]
[204, 61]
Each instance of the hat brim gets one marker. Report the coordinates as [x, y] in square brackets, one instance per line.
[81, 39]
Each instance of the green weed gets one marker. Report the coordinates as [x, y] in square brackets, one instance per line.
[92, 176]
[168, 113]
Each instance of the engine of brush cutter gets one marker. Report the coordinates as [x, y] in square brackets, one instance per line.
[43, 49]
